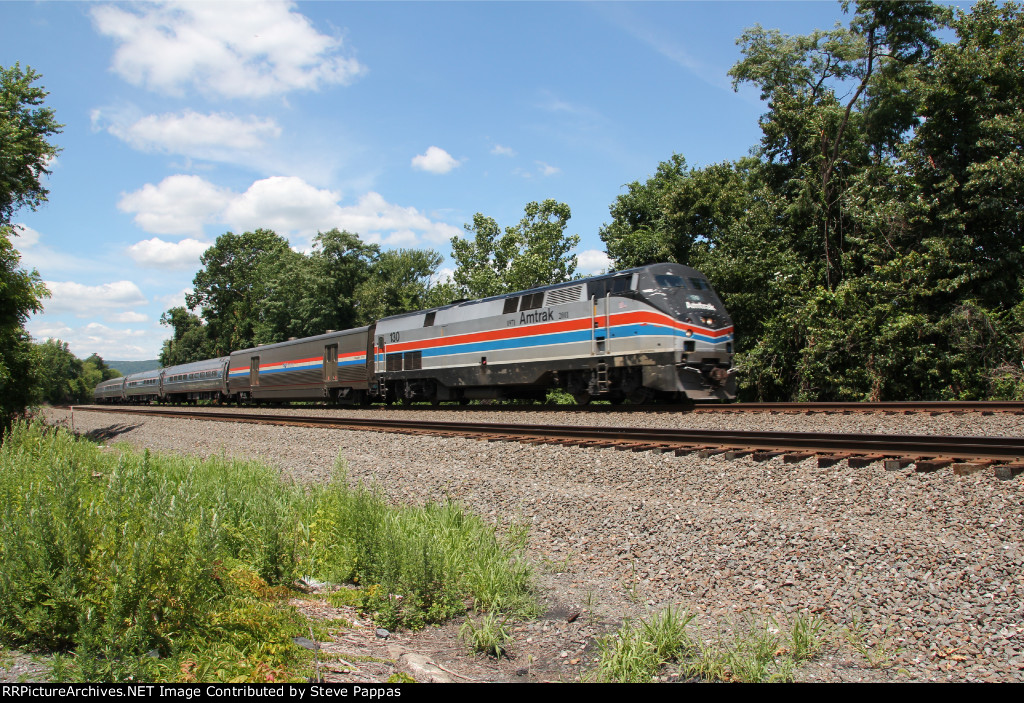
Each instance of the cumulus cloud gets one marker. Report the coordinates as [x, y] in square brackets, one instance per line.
[592, 261]
[156, 253]
[95, 338]
[393, 225]
[215, 137]
[235, 50]
[177, 205]
[85, 301]
[128, 317]
[286, 204]
[500, 150]
[435, 160]
[283, 204]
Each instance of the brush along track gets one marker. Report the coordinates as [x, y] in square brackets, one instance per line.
[927, 452]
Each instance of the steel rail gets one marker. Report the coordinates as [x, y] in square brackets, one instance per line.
[1002, 448]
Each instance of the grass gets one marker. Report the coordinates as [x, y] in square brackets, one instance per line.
[149, 567]
[757, 651]
[876, 645]
[489, 636]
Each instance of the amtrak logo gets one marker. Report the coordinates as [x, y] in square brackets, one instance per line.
[536, 316]
[700, 306]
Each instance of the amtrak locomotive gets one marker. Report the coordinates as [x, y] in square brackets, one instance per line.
[657, 332]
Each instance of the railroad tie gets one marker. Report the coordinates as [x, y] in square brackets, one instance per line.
[968, 468]
[929, 465]
[1004, 472]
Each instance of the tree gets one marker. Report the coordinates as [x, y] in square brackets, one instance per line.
[25, 152]
[536, 252]
[58, 374]
[826, 94]
[225, 288]
[189, 341]
[968, 158]
[639, 234]
[399, 281]
[21, 294]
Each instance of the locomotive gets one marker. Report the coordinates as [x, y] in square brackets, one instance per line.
[657, 332]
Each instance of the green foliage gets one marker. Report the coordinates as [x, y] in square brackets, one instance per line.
[128, 550]
[225, 289]
[61, 377]
[21, 294]
[637, 651]
[25, 152]
[488, 636]
[189, 341]
[397, 282]
[872, 248]
[417, 565]
[148, 567]
[536, 252]
[254, 290]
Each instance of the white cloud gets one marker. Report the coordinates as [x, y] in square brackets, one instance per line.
[26, 237]
[435, 160]
[174, 300]
[128, 317]
[85, 301]
[244, 49]
[284, 204]
[156, 253]
[373, 216]
[592, 261]
[500, 150]
[95, 338]
[177, 205]
[216, 136]
[547, 169]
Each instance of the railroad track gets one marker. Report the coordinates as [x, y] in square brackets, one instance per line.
[923, 452]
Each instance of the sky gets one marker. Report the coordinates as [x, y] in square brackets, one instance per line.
[393, 120]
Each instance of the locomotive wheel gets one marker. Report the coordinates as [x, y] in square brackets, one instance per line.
[640, 396]
[582, 398]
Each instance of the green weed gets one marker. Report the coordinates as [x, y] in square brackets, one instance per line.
[757, 651]
[488, 636]
[876, 645]
[149, 567]
[636, 653]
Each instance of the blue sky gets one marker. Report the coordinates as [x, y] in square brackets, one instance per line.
[397, 121]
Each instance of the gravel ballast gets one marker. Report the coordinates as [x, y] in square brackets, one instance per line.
[929, 564]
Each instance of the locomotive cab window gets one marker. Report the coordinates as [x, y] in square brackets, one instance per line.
[532, 302]
[669, 281]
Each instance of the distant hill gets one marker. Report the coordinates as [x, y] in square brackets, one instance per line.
[127, 367]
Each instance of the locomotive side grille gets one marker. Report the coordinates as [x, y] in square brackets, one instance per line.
[413, 360]
[561, 296]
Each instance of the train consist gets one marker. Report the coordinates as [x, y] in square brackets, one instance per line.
[657, 332]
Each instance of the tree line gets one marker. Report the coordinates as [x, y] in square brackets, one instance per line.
[868, 248]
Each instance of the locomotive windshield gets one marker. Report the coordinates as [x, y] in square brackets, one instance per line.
[684, 294]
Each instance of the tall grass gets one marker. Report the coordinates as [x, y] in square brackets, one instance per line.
[133, 560]
[420, 564]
